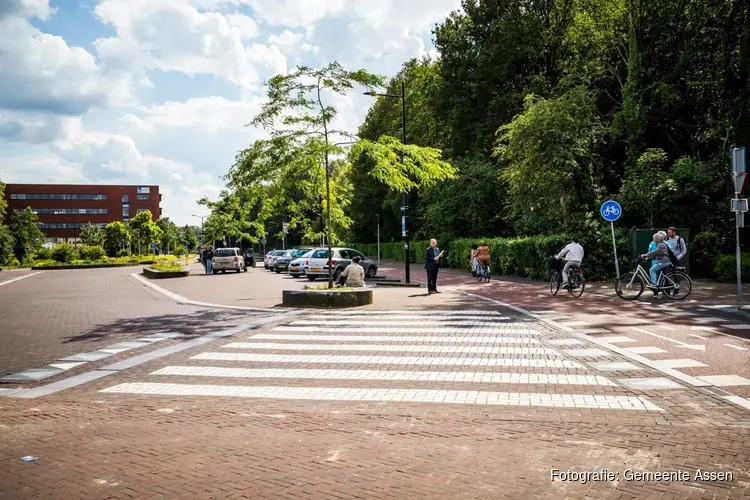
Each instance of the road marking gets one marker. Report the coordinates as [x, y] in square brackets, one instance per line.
[446, 349]
[8, 282]
[494, 329]
[616, 339]
[646, 350]
[736, 347]
[745, 403]
[680, 363]
[737, 327]
[698, 336]
[387, 360]
[725, 380]
[390, 321]
[646, 384]
[393, 395]
[666, 328]
[587, 353]
[394, 338]
[575, 323]
[412, 376]
[695, 347]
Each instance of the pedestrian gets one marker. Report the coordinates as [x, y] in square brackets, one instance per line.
[652, 245]
[432, 258]
[353, 275]
[676, 244]
[208, 256]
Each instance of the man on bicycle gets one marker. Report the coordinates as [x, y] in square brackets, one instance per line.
[573, 255]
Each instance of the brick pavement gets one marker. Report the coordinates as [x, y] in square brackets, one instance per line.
[355, 444]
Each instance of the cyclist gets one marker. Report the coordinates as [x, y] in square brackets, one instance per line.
[482, 257]
[473, 261]
[573, 255]
[660, 254]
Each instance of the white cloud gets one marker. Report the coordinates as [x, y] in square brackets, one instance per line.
[290, 42]
[170, 35]
[26, 8]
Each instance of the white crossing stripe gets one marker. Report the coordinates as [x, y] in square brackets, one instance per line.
[402, 321]
[387, 360]
[737, 327]
[429, 329]
[447, 349]
[393, 395]
[736, 347]
[443, 312]
[680, 363]
[617, 339]
[587, 353]
[412, 376]
[395, 338]
[649, 349]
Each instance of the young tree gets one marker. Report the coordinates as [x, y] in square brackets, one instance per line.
[116, 237]
[170, 234]
[28, 237]
[92, 234]
[293, 167]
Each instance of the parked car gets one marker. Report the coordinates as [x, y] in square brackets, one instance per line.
[270, 258]
[297, 266]
[249, 258]
[316, 265]
[283, 261]
[228, 259]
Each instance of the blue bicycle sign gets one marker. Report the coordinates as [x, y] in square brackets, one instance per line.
[611, 211]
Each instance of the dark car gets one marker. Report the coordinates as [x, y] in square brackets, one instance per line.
[283, 261]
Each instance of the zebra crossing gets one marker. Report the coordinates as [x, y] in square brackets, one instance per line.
[459, 357]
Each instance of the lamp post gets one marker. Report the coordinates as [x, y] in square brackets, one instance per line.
[201, 217]
[405, 207]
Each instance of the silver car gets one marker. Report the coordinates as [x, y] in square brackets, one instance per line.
[228, 259]
[297, 266]
[284, 261]
[316, 265]
[270, 258]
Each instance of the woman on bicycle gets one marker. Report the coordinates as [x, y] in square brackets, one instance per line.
[661, 261]
[483, 256]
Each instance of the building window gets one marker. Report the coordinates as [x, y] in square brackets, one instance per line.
[143, 197]
[125, 198]
[125, 220]
[31, 196]
[141, 210]
[68, 225]
[68, 211]
[126, 210]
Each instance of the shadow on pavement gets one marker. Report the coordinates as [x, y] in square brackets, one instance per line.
[189, 324]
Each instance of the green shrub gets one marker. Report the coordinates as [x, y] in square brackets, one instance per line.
[179, 251]
[91, 253]
[167, 267]
[123, 253]
[725, 269]
[43, 254]
[64, 252]
[705, 250]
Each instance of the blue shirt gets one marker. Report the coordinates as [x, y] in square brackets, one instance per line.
[651, 248]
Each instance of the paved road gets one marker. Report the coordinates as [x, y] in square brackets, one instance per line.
[428, 402]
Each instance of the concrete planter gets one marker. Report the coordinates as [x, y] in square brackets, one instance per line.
[158, 275]
[330, 299]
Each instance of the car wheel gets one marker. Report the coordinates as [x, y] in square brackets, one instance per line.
[278, 271]
[337, 273]
[312, 278]
[239, 270]
[294, 275]
[372, 271]
[265, 267]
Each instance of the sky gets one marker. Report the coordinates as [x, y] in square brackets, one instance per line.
[160, 91]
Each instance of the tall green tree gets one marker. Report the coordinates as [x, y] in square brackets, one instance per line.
[144, 231]
[116, 238]
[92, 234]
[28, 237]
[188, 238]
[170, 235]
[7, 242]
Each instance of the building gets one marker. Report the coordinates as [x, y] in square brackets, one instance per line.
[64, 208]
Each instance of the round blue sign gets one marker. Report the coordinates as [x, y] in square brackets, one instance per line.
[611, 210]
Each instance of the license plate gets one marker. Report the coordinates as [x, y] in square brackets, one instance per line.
[315, 269]
[293, 268]
[282, 266]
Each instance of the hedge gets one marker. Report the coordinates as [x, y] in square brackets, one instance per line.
[725, 269]
[518, 257]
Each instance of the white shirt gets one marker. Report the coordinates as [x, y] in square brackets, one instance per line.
[573, 252]
[677, 245]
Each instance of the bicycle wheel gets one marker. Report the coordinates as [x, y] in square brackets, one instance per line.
[576, 284]
[681, 285]
[629, 286]
[554, 283]
[488, 275]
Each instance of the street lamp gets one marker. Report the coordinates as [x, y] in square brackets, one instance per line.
[201, 217]
[405, 208]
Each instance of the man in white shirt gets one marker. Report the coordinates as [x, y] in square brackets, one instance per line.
[354, 274]
[676, 244]
[573, 255]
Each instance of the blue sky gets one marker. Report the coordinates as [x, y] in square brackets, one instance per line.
[158, 92]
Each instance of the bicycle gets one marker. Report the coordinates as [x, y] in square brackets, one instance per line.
[483, 273]
[576, 281]
[675, 283]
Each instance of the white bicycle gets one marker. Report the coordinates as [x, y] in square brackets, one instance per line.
[674, 283]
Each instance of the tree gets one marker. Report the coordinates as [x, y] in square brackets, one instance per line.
[116, 237]
[143, 230]
[7, 242]
[188, 238]
[28, 237]
[170, 235]
[92, 234]
[548, 152]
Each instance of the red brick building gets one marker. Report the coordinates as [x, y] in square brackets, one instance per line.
[64, 208]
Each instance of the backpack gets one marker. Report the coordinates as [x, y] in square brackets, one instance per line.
[672, 257]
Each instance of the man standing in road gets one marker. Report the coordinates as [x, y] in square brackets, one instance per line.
[208, 256]
[432, 264]
[676, 244]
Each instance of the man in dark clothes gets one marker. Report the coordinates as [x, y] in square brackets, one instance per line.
[432, 264]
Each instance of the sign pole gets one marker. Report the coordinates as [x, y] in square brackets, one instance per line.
[739, 258]
[614, 246]
[739, 174]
